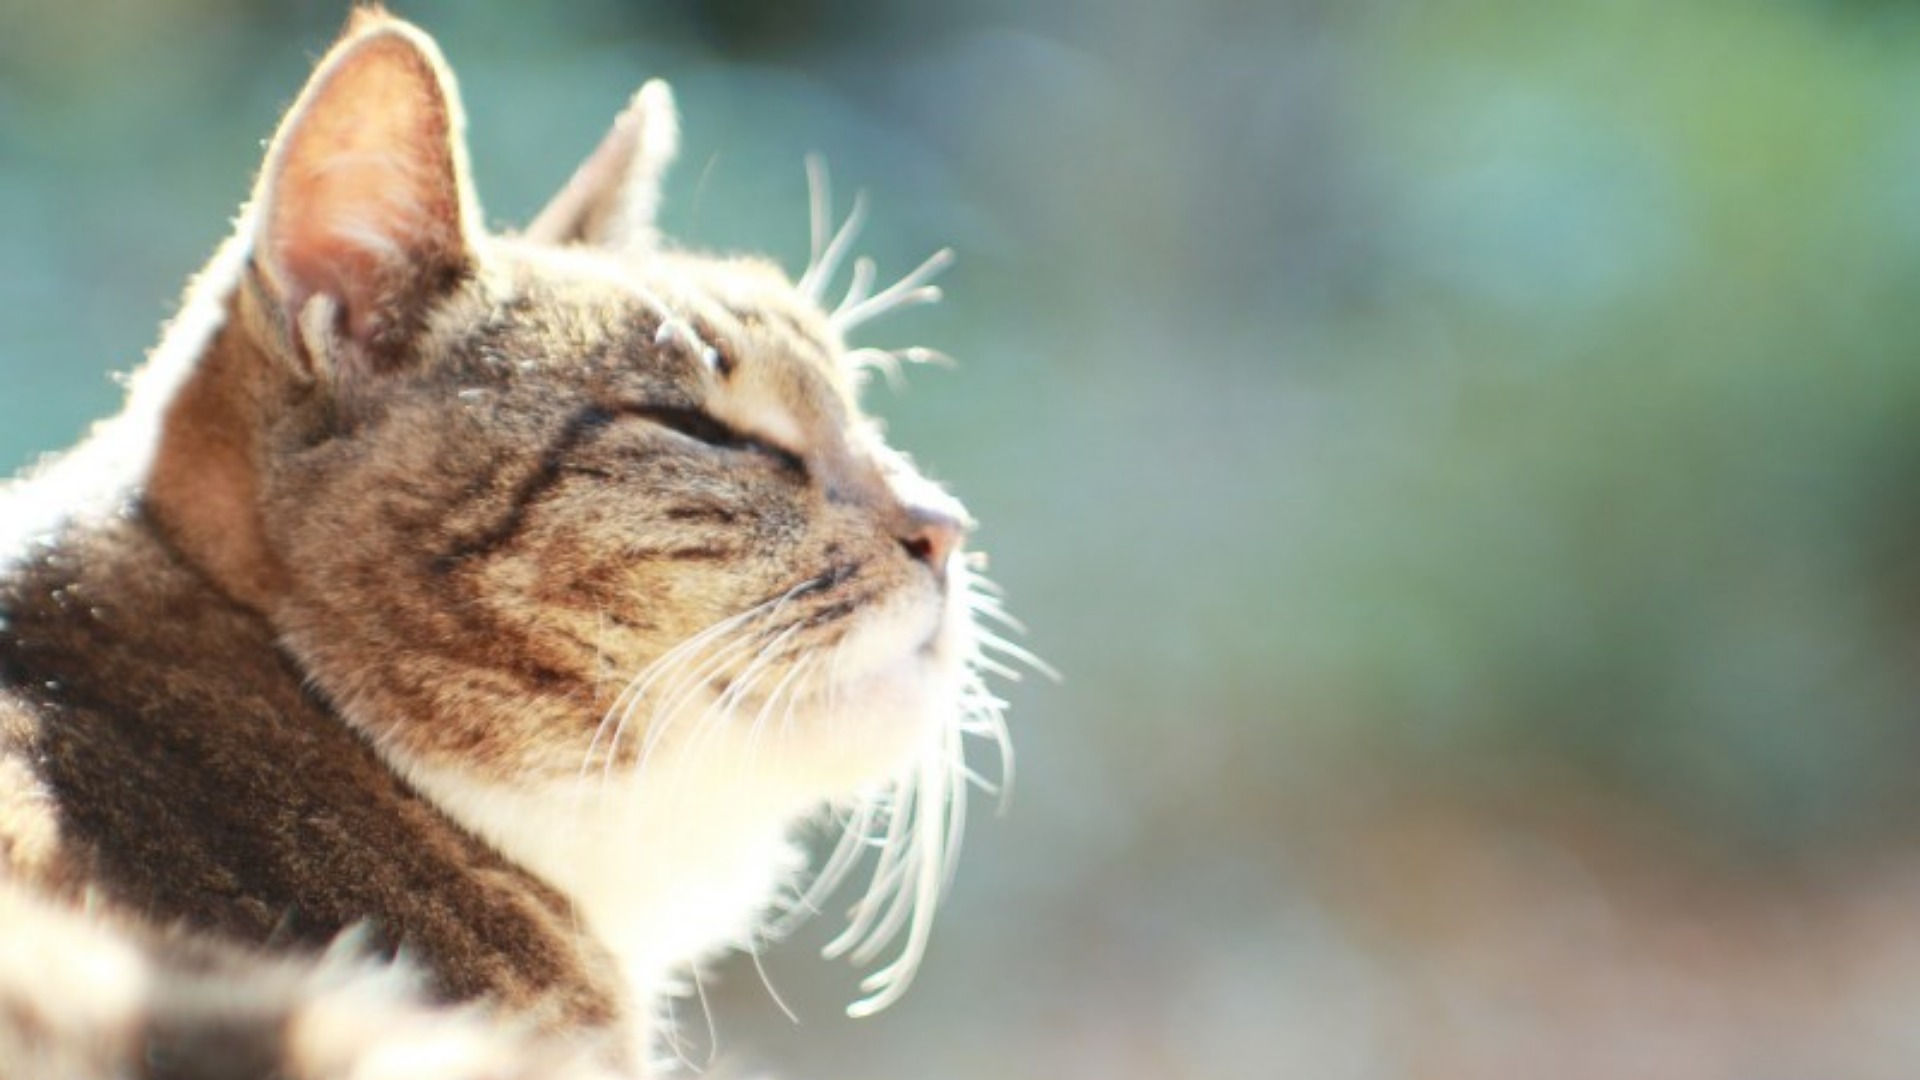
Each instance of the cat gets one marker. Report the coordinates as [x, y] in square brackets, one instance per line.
[433, 663]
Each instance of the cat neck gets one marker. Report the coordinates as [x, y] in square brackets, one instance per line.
[188, 749]
[666, 867]
[102, 594]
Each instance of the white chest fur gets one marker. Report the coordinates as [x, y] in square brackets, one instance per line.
[663, 869]
[676, 859]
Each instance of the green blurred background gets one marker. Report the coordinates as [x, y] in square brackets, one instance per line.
[1463, 457]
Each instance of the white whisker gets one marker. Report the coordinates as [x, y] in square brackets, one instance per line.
[998, 668]
[819, 215]
[669, 665]
[886, 875]
[713, 1032]
[988, 605]
[1007, 648]
[790, 685]
[914, 905]
[753, 950]
[721, 710]
[813, 283]
[920, 816]
[740, 691]
[864, 270]
[848, 847]
[668, 712]
[687, 670]
[912, 289]
[885, 361]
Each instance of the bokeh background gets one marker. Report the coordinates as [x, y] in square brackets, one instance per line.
[1464, 457]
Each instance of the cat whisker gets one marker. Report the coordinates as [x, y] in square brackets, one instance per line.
[723, 707]
[885, 876]
[1008, 648]
[789, 685]
[923, 866]
[826, 260]
[989, 604]
[885, 361]
[792, 685]
[793, 700]
[719, 712]
[982, 597]
[984, 714]
[769, 652]
[754, 942]
[931, 855]
[881, 910]
[997, 668]
[960, 776]
[871, 357]
[621, 712]
[636, 687]
[636, 691]
[667, 714]
[857, 363]
[852, 836]
[924, 809]
[992, 611]
[834, 656]
[915, 288]
[852, 842]
[713, 1032]
[973, 778]
[819, 211]
[864, 271]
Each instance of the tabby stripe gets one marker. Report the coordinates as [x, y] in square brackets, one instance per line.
[836, 612]
[716, 514]
[581, 425]
[695, 553]
[839, 609]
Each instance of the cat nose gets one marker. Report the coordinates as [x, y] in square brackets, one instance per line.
[931, 534]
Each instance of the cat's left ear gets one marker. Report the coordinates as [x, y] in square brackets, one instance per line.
[363, 210]
[612, 199]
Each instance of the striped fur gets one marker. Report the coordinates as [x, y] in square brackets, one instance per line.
[432, 663]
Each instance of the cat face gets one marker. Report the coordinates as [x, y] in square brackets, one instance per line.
[594, 461]
[558, 504]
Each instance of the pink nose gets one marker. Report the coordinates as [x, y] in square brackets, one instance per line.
[931, 535]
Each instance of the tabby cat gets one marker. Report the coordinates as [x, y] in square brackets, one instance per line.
[502, 604]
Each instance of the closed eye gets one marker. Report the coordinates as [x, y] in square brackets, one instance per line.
[701, 427]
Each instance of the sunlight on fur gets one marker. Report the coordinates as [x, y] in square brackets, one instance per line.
[507, 603]
[914, 822]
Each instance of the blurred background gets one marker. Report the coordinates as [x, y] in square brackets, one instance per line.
[1465, 459]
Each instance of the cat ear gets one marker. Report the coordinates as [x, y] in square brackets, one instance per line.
[611, 200]
[363, 207]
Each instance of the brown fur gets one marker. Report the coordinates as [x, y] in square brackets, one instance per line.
[225, 797]
[424, 497]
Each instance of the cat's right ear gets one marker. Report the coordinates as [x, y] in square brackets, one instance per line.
[612, 199]
[363, 209]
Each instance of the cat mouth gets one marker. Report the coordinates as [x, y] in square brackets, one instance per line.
[846, 628]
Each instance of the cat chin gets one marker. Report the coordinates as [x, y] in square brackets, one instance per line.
[712, 814]
[895, 689]
[875, 727]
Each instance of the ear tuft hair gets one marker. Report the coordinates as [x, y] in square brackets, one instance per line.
[366, 17]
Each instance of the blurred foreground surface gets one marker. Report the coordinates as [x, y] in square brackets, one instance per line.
[1465, 458]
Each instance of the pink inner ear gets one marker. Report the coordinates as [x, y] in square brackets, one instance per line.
[364, 193]
[346, 233]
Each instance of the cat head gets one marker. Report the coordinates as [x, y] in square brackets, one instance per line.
[559, 503]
